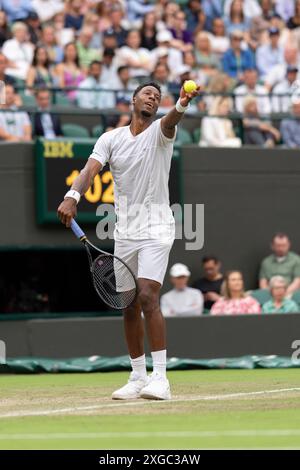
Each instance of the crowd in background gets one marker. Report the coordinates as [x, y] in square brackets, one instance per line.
[218, 294]
[92, 54]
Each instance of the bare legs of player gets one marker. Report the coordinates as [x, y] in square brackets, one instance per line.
[148, 302]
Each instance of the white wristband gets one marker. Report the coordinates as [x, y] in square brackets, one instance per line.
[180, 108]
[73, 194]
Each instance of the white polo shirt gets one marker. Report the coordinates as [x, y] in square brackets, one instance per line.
[140, 166]
[182, 303]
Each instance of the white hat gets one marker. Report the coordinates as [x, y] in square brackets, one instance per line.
[179, 269]
[164, 36]
[162, 51]
[182, 69]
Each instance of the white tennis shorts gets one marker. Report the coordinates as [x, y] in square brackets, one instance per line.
[146, 258]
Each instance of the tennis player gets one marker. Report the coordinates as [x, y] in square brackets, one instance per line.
[140, 157]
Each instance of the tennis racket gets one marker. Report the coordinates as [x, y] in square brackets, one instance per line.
[113, 280]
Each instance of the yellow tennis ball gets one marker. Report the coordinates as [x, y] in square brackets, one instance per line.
[189, 86]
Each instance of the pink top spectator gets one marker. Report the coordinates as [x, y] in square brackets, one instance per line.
[235, 306]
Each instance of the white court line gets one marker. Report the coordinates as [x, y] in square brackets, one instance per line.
[143, 435]
[74, 409]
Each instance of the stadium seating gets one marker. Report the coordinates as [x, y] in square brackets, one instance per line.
[74, 130]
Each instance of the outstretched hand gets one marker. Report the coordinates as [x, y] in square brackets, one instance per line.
[185, 97]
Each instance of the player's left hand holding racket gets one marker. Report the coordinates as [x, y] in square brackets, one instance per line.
[113, 280]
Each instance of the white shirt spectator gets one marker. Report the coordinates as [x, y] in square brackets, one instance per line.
[219, 44]
[14, 123]
[182, 303]
[217, 132]
[127, 55]
[277, 74]
[19, 53]
[281, 104]
[285, 8]
[94, 98]
[251, 8]
[261, 93]
[46, 9]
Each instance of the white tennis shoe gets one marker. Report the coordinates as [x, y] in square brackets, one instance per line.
[132, 389]
[158, 388]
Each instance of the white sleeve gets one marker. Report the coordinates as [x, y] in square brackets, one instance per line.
[26, 120]
[102, 149]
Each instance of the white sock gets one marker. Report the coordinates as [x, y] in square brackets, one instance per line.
[159, 359]
[139, 365]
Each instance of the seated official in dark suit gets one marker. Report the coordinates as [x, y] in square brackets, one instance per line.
[45, 123]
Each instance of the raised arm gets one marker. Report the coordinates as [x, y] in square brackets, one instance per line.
[67, 209]
[170, 120]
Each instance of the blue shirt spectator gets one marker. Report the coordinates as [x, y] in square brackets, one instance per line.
[137, 9]
[269, 55]
[17, 9]
[211, 8]
[290, 128]
[236, 60]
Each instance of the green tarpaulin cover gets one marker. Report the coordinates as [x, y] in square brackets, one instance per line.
[32, 365]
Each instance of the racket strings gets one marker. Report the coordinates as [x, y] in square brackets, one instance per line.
[113, 281]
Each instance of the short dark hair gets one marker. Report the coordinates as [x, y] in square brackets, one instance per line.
[95, 62]
[108, 52]
[121, 68]
[280, 235]
[205, 259]
[39, 90]
[143, 85]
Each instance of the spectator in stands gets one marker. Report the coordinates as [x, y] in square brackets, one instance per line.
[167, 102]
[74, 17]
[197, 74]
[149, 31]
[34, 27]
[86, 53]
[15, 125]
[48, 40]
[109, 67]
[135, 56]
[236, 20]
[290, 128]
[294, 21]
[170, 9]
[45, 124]
[219, 84]
[278, 72]
[69, 72]
[9, 80]
[123, 118]
[174, 57]
[19, 51]
[257, 131]
[116, 28]
[282, 262]
[219, 40]
[281, 93]
[103, 10]
[205, 58]
[236, 60]
[216, 129]
[251, 87]
[279, 303]
[269, 55]
[285, 8]
[234, 300]
[47, 9]
[39, 74]
[160, 75]
[182, 37]
[91, 92]
[124, 83]
[5, 33]
[137, 9]
[92, 20]
[16, 10]
[181, 301]
[194, 11]
[211, 282]
[251, 8]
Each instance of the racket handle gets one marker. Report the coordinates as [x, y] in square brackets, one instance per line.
[77, 230]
